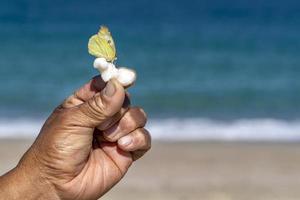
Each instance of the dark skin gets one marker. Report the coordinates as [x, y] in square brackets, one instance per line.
[84, 148]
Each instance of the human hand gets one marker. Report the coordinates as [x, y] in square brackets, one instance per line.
[71, 158]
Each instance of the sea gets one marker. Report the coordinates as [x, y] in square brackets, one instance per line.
[207, 70]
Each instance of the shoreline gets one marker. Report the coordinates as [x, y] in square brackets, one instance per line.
[185, 129]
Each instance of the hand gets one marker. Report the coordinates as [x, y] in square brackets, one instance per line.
[84, 148]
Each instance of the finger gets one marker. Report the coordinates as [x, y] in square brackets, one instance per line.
[120, 158]
[138, 142]
[113, 120]
[84, 93]
[101, 107]
[133, 119]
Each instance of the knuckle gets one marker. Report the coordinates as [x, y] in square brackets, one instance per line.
[128, 124]
[139, 111]
[67, 101]
[146, 138]
[143, 112]
[141, 135]
[140, 115]
[143, 116]
[133, 119]
[63, 116]
[142, 142]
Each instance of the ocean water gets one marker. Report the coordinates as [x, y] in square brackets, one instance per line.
[213, 70]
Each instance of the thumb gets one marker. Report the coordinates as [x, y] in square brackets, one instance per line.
[102, 106]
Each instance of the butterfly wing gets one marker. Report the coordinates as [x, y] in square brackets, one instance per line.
[102, 45]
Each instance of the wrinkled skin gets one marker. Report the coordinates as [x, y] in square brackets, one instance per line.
[82, 150]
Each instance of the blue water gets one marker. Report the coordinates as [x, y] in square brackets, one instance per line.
[206, 59]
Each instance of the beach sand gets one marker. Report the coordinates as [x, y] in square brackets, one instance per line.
[200, 170]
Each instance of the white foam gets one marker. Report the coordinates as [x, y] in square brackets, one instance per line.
[19, 128]
[185, 129]
[242, 129]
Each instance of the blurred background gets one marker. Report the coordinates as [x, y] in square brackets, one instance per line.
[218, 79]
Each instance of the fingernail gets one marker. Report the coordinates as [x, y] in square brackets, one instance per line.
[125, 141]
[110, 89]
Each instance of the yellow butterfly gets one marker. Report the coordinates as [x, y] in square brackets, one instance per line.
[102, 45]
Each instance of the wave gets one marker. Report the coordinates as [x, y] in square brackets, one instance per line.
[186, 129]
[241, 129]
[19, 128]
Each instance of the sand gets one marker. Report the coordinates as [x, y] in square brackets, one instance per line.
[201, 170]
